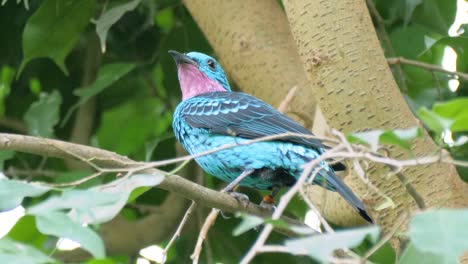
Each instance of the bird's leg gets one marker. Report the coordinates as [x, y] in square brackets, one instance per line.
[234, 183]
[268, 201]
[230, 187]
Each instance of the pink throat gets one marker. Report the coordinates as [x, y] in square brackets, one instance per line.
[193, 82]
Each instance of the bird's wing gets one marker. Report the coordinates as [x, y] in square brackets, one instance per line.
[241, 115]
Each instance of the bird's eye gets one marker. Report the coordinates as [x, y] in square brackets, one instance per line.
[211, 64]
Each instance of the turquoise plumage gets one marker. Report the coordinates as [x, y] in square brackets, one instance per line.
[211, 116]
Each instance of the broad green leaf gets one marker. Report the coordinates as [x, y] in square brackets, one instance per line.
[248, 222]
[25, 230]
[441, 232]
[98, 204]
[321, 247]
[5, 155]
[109, 18]
[121, 188]
[12, 192]
[15, 252]
[60, 225]
[106, 76]
[413, 255]
[410, 5]
[53, 30]
[451, 115]
[83, 202]
[373, 138]
[409, 41]
[35, 86]
[44, 114]
[392, 11]
[165, 19]
[434, 121]
[452, 108]
[457, 110]
[436, 15]
[144, 120]
[7, 74]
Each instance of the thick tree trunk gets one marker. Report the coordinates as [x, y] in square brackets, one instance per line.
[254, 44]
[356, 90]
[349, 75]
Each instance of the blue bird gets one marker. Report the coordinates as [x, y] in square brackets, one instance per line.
[212, 115]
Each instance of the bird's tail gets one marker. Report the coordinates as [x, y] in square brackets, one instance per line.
[335, 183]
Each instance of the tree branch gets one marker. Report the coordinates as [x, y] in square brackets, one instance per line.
[104, 158]
[426, 66]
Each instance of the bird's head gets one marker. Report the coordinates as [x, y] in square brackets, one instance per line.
[199, 74]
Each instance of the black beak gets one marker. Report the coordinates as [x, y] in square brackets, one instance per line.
[181, 58]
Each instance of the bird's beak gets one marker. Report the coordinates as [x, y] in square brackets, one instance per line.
[181, 58]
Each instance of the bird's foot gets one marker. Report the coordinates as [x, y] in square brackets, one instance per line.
[268, 203]
[240, 197]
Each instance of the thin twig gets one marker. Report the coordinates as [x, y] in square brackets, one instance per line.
[411, 191]
[209, 221]
[211, 218]
[426, 66]
[386, 43]
[284, 105]
[177, 233]
[311, 205]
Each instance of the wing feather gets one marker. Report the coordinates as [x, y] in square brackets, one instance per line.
[242, 115]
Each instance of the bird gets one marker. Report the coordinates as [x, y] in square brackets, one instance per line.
[211, 115]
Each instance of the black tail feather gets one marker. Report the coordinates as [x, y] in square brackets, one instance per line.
[348, 195]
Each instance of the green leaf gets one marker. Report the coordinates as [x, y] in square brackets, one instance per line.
[321, 247]
[5, 155]
[106, 76]
[441, 232]
[455, 110]
[25, 230]
[452, 108]
[144, 121]
[98, 204]
[121, 188]
[85, 203]
[373, 138]
[409, 41]
[413, 255]
[437, 15]
[165, 19]
[60, 225]
[53, 30]
[451, 115]
[248, 222]
[12, 192]
[35, 86]
[434, 121]
[7, 75]
[14, 252]
[392, 11]
[109, 18]
[44, 114]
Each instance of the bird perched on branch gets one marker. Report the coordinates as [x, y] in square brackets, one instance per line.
[211, 115]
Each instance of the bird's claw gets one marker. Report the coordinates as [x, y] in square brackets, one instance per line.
[267, 206]
[240, 197]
